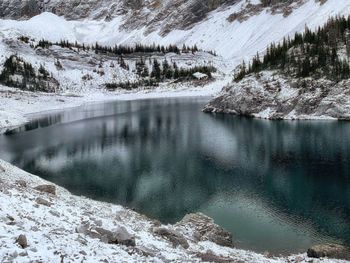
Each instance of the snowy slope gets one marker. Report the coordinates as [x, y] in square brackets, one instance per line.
[233, 40]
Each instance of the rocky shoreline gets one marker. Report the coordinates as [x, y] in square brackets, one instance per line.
[44, 222]
[272, 96]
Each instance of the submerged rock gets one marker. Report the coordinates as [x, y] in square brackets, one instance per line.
[173, 236]
[206, 230]
[49, 189]
[330, 251]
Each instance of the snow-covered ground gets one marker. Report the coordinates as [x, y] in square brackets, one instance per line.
[58, 228]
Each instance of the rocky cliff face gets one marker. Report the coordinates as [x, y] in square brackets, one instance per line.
[176, 14]
[154, 14]
[276, 97]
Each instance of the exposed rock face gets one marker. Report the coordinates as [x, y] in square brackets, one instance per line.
[172, 14]
[206, 230]
[277, 97]
[154, 14]
[330, 251]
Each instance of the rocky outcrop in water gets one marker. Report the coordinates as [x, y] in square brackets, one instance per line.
[276, 97]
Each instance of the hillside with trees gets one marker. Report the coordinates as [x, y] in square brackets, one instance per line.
[21, 74]
[324, 53]
[304, 77]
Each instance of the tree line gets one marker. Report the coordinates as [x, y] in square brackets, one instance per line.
[160, 72]
[118, 49]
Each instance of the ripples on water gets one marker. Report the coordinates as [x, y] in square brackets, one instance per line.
[276, 185]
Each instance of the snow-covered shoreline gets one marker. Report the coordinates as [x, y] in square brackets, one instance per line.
[18, 107]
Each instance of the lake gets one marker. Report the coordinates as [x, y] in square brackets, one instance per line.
[278, 186]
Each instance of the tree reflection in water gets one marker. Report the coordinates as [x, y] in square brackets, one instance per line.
[287, 182]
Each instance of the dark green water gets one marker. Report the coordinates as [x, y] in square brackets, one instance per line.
[279, 186]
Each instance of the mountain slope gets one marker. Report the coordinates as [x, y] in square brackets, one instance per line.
[305, 77]
[234, 29]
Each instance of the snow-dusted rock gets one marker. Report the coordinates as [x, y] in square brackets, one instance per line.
[46, 188]
[172, 235]
[42, 201]
[205, 229]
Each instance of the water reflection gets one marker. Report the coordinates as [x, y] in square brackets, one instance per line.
[278, 186]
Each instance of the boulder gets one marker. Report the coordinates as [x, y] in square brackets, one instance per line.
[46, 188]
[171, 235]
[206, 230]
[41, 201]
[330, 251]
[22, 241]
[123, 237]
[119, 236]
[211, 257]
